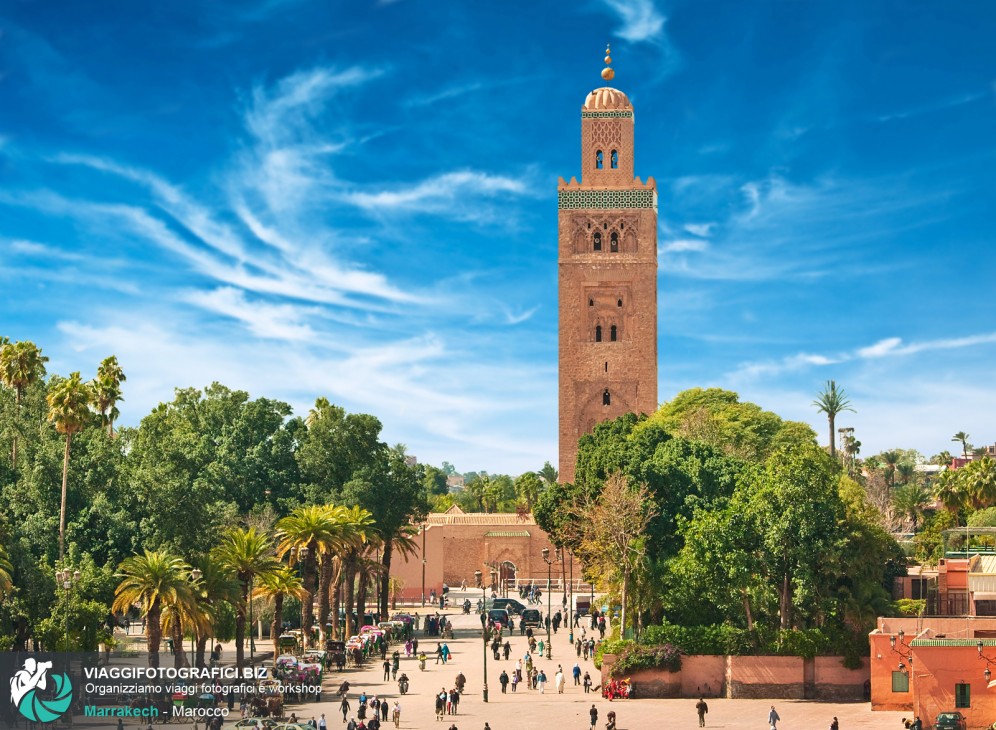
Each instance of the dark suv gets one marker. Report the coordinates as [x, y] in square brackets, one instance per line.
[531, 617]
[509, 604]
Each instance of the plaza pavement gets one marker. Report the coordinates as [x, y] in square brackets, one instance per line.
[530, 710]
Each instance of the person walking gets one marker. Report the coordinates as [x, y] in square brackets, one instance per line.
[383, 710]
[773, 718]
[576, 673]
[507, 650]
[397, 714]
[445, 652]
[344, 706]
[323, 723]
[835, 725]
[587, 683]
[593, 714]
[503, 680]
[559, 680]
[387, 669]
[439, 652]
[701, 708]
[515, 680]
[541, 681]
[440, 705]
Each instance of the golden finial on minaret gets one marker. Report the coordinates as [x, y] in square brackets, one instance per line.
[607, 73]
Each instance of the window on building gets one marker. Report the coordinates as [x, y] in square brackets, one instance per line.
[598, 160]
[918, 588]
[963, 696]
[618, 302]
[614, 242]
[985, 608]
[598, 333]
[612, 333]
[591, 302]
[597, 238]
[606, 398]
[900, 682]
[614, 159]
[606, 367]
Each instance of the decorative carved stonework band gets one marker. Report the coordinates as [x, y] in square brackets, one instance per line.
[606, 199]
[607, 115]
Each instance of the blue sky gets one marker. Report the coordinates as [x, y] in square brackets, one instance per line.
[358, 200]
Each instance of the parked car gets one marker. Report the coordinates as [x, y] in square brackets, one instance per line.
[950, 721]
[500, 616]
[531, 617]
[510, 604]
[256, 723]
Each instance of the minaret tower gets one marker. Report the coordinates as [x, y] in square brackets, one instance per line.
[607, 229]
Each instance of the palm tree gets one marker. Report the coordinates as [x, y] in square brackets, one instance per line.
[21, 365]
[548, 474]
[832, 401]
[905, 472]
[890, 465]
[69, 409]
[154, 580]
[248, 554]
[276, 586]
[963, 437]
[950, 490]
[981, 482]
[909, 501]
[305, 534]
[215, 586]
[107, 391]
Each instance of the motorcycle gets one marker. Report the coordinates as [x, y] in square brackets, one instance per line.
[466, 606]
[421, 662]
[403, 684]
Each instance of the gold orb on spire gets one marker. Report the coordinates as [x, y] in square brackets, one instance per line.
[607, 73]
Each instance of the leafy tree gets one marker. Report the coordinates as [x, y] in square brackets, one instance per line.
[69, 409]
[333, 447]
[832, 401]
[435, 481]
[154, 580]
[391, 490]
[717, 417]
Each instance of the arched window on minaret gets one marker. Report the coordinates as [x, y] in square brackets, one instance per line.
[598, 160]
[597, 239]
[614, 160]
[618, 302]
[613, 332]
[598, 333]
[614, 242]
[606, 398]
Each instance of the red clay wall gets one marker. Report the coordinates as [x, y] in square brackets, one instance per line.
[755, 677]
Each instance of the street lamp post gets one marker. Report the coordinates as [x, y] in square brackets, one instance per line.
[485, 637]
[549, 605]
[423, 563]
[66, 580]
[570, 604]
[195, 575]
[302, 555]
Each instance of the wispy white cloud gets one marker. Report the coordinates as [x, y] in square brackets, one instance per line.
[430, 194]
[888, 347]
[940, 105]
[264, 320]
[640, 20]
[701, 230]
[684, 245]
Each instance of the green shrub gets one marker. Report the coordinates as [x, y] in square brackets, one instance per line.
[911, 606]
[609, 647]
[636, 656]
